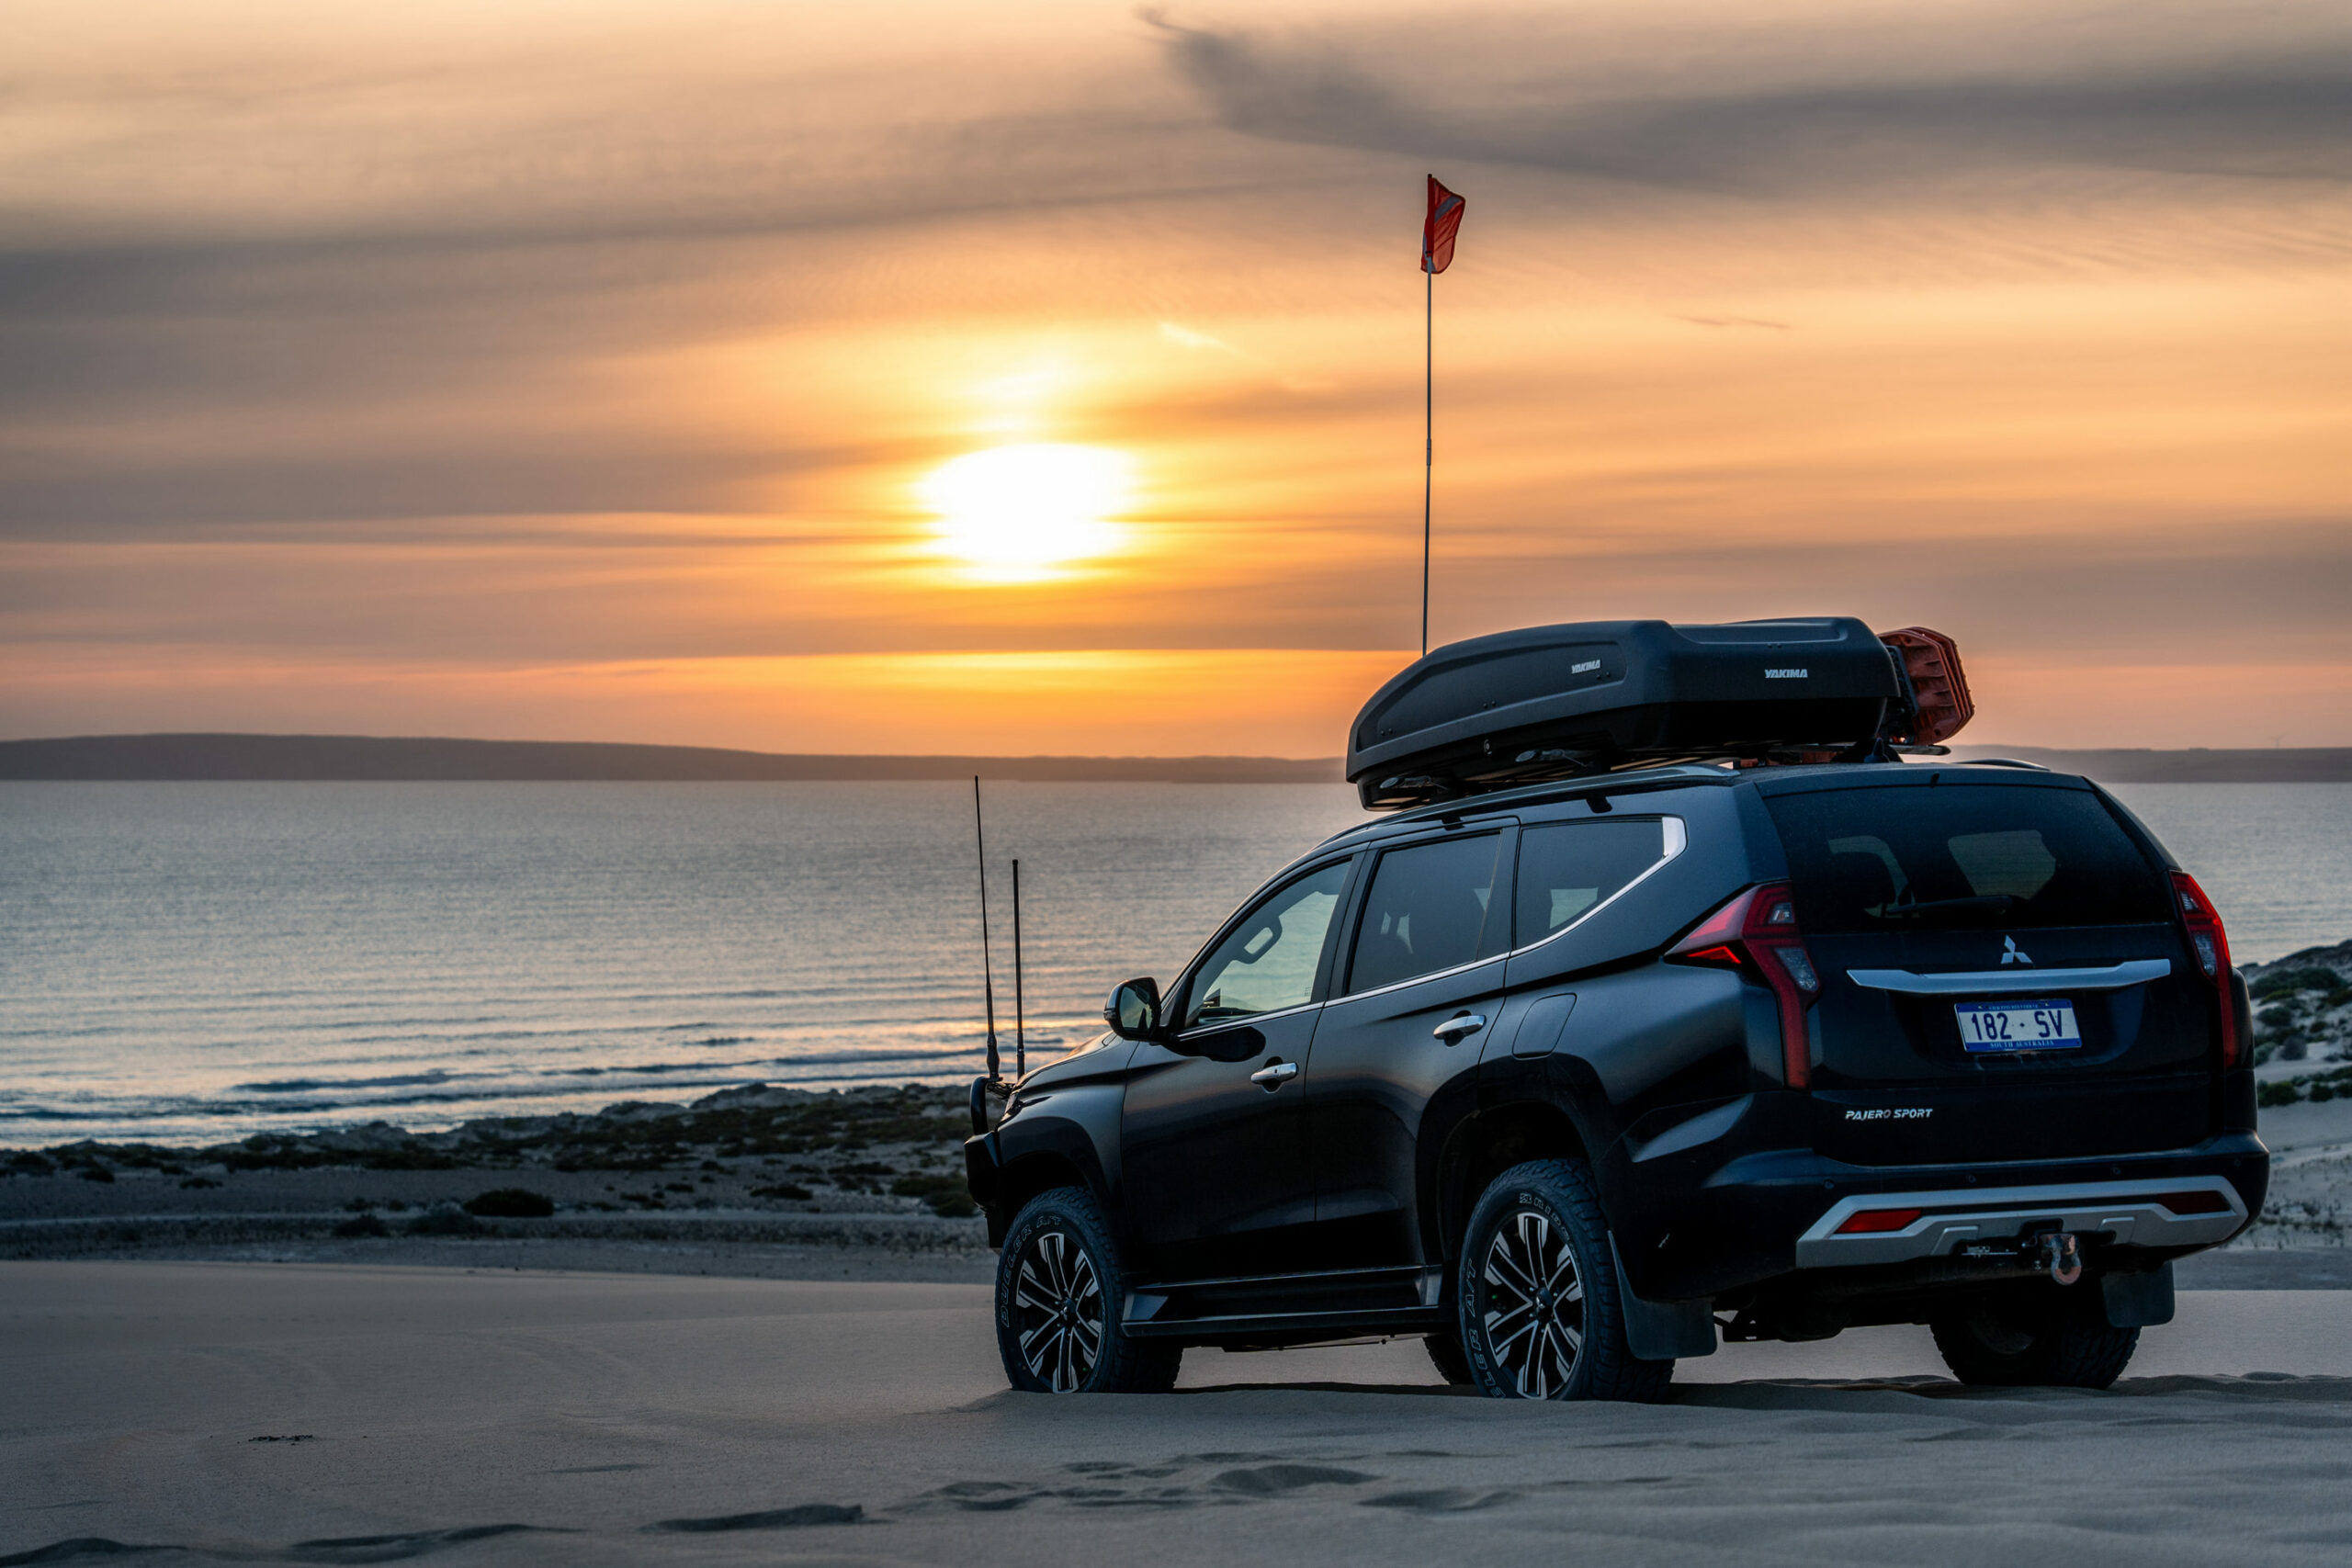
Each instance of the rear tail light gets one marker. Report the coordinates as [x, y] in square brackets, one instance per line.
[1870, 1222]
[1757, 934]
[2211, 945]
[2204, 1202]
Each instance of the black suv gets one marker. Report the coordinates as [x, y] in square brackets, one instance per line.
[1571, 1078]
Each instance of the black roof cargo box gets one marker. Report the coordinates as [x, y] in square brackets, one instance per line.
[1554, 702]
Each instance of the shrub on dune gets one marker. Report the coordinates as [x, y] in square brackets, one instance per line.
[511, 1203]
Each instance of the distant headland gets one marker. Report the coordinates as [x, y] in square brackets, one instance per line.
[360, 758]
[356, 758]
[2301, 764]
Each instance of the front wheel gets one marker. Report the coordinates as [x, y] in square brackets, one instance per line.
[2035, 1335]
[1059, 1285]
[1445, 1355]
[1540, 1314]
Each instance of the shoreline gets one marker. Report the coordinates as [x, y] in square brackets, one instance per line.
[758, 1182]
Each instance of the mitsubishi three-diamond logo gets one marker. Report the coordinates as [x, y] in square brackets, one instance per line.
[2012, 952]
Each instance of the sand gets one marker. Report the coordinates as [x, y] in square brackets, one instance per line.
[350, 1413]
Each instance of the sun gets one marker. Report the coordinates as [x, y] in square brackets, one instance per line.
[1021, 513]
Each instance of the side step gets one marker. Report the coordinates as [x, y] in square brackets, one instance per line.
[1342, 1302]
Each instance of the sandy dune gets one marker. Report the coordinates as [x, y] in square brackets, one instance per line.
[485, 1417]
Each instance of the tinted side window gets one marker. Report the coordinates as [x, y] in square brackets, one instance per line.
[1268, 962]
[1430, 907]
[1979, 857]
[1565, 868]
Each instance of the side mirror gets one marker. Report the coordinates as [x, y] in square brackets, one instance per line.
[1133, 1011]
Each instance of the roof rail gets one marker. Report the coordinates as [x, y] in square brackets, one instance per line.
[1632, 781]
[2002, 763]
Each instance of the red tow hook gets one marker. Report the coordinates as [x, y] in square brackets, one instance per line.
[2062, 1256]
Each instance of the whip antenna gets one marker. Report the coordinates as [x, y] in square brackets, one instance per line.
[1019, 1030]
[988, 972]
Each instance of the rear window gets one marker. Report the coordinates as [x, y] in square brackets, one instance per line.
[1567, 868]
[1976, 856]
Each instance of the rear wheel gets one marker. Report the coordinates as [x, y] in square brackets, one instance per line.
[1059, 1285]
[1541, 1316]
[2040, 1335]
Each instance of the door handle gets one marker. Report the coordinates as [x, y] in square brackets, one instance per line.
[1274, 1074]
[1462, 1023]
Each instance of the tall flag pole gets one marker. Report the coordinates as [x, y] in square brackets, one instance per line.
[1438, 230]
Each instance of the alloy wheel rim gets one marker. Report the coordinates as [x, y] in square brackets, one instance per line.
[1534, 1305]
[1058, 1302]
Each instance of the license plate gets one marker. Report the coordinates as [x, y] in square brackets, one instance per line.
[2018, 1026]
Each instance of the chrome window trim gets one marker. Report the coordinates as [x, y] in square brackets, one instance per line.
[1195, 1031]
[1676, 835]
[1418, 979]
[2012, 982]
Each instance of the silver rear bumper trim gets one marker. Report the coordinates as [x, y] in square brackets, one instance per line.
[2012, 982]
[2127, 1212]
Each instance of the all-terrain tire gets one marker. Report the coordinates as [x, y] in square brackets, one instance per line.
[2037, 1334]
[1059, 1284]
[1539, 1314]
[1445, 1355]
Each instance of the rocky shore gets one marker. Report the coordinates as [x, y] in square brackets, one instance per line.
[864, 1182]
[2302, 1025]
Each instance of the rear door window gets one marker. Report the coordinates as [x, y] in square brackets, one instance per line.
[1567, 869]
[1970, 857]
[1431, 907]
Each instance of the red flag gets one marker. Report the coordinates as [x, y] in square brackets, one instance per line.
[1438, 229]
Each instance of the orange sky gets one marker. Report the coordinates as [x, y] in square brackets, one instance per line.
[587, 370]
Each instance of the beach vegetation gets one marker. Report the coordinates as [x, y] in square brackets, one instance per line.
[444, 1219]
[945, 1194]
[2317, 1087]
[511, 1203]
[2327, 983]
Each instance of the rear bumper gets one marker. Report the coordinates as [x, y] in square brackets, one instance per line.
[1752, 1204]
[2126, 1214]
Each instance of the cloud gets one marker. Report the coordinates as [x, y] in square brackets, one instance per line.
[458, 333]
[1812, 103]
[1185, 337]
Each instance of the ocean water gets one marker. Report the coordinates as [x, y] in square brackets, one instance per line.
[191, 961]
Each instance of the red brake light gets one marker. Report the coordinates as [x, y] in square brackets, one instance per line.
[2206, 1202]
[2211, 945]
[1757, 933]
[1870, 1222]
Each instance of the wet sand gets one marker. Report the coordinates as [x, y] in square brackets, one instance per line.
[349, 1413]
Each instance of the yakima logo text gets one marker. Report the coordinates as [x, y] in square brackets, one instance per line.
[1784, 674]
